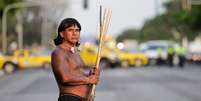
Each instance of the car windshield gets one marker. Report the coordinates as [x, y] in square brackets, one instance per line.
[156, 47]
[46, 52]
[2, 54]
[41, 52]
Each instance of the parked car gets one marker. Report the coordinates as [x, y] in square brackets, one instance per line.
[132, 58]
[194, 51]
[194, 57]
[109, 58]
[151, 48]
[22, 59]
[1, 60]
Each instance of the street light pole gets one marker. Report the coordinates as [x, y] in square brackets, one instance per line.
[4, 29]
[156, 7]
[19, 29]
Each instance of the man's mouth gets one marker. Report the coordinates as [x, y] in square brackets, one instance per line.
[75, 38]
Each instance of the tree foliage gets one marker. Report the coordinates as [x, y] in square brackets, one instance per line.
[4, 3]
[174, 24]
[129, 34]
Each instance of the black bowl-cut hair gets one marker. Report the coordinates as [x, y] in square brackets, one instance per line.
[65, 23]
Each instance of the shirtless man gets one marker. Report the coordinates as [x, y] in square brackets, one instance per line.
[73, 83]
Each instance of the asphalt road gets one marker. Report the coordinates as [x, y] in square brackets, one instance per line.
[132, 84]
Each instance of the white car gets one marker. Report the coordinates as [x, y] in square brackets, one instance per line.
[150, 48]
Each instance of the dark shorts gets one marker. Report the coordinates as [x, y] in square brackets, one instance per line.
[71, 97]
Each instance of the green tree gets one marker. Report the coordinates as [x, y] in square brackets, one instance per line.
[155, 29]
[129, 34]
[186, 22]
[4, 3]
[175, 24]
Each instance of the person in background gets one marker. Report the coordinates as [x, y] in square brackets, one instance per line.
[181, 53]
[170, 51]
[159, 58]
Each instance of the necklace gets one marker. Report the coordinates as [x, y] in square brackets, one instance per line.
[72, 49]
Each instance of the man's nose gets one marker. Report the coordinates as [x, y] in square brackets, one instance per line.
[74, 32]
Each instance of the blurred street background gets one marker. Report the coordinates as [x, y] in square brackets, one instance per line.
[139, 84]
[152, 50]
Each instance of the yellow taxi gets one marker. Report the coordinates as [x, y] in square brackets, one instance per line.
[25, 59]
[1, 60]
[132, 59]
[89, 52]
[127, 58]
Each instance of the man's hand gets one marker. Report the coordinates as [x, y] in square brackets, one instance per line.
[94, 71]
[94, 76]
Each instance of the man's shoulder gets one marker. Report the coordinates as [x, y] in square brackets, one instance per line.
[57, 51]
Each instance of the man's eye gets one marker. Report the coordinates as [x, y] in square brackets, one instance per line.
[70, 29]
[77, 30]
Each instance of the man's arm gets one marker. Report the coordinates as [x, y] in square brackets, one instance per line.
[62, 71]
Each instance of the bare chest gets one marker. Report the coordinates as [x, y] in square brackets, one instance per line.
[74, 61]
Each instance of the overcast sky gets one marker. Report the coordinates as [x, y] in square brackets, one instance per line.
[126, 14]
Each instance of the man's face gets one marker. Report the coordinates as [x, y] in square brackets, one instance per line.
[71, 35]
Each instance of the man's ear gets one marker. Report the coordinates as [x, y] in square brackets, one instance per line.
[61, 34]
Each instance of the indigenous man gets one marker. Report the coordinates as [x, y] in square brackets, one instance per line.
[73, 83]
